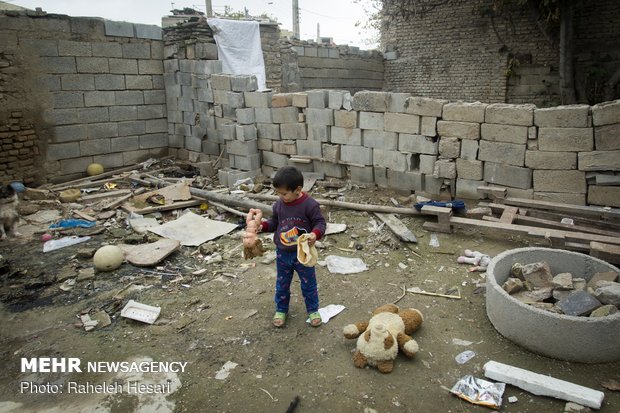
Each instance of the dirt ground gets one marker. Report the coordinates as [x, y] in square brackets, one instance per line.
[224, 314]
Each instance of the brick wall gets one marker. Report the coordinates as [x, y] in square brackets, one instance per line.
[93, 90]
[20, 152]
[453, 52]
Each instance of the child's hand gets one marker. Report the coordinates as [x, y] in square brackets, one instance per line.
[311, 238]
[255, 215]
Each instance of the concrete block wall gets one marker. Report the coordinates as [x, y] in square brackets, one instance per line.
[92, 89]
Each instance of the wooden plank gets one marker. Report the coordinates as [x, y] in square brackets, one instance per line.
[508, 215]
[397, 226]
[443, 218]
[536, 231]
[103, 195]
[589, 211]
[543, 385]
[176, 205]
[554, 216]
[606, 252]
[144, 255]
[84, 215]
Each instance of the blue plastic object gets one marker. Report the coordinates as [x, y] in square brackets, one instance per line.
[18, 186]
[73, 223]
[456, 205]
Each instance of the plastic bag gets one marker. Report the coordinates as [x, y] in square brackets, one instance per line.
[344, 265]
[56, 244]
[478, 391]
[464, 357]
[73, 223]
[434, 242]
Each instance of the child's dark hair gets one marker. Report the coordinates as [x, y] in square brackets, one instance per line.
[289, 178]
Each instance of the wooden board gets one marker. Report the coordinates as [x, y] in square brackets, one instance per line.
[606, 252]
[590, 211]
[397, 226]
[144, 255]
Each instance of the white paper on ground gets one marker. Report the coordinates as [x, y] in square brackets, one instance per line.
[329, 312]
[239, 48]
[223, 373]
[193, 230]
[333, 228]
[344, 265]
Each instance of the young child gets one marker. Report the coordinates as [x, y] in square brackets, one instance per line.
[294, 214]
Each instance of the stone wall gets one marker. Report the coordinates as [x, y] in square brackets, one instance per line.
[454, 52]
[92, 91]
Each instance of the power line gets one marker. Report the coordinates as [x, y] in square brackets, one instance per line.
[323, 15]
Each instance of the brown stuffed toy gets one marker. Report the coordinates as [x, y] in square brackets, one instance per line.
[379, 339]
[252, 245]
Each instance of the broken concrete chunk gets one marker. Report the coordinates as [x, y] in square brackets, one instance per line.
[604, 311]
[609, 293]
[579, 303]
[563, 281]
[552, 308]
[102, 318]
[534, 296]
[602, 276]
[579, 284]
[538, 274]
[86, 274]
[513, 285]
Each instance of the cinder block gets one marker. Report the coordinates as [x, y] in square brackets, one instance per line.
[105, 49]
[397, 102]
[560, 181]
[599, 161]
[449, 148]
[319, 133]
[506, 153]
[125, 143]
[235, 99]
[357, 155]
[361, 174]
[70, 48]
[606, 113]
[469, 150]
[265, 144]
[504, 133]
[346, 136]
[75, 165]
[445, 168]
[433, 185]
[258, 99]
[319, 116]
[335, 98]
[380, 139]
[242, 148]
[508, 114]
[123, 66]
[345, 119]
[389, 159]
[268, 131]
[245, 116]
[245, 163]
[565, 139]
[607, 138]
[370, 120]
[417, 144]
[402, 123]
[331, 170]
[109, 82]
[94, 147]
[309, 148]
[207, 51]
[227, 131]
[284, 115]
[208, 67]
[274, 159]
[220, 97]
[285, 147]
[58, 151]
[62, 100]
[148, 31]
[69, 133]
[468, 189]
[150, 67]
[463, 130]
[210, 148]
[318, 99]
[157, 125]
[246, 132]
[331, 153]
[550, 160]
[138, 82]
[300, 100]
[134, 127]
[369, 101]
[428, 126]
[118, 29]
[136, 50]
[560, 197]
[205, 95]
[405, 181]
[425, 106]
[77, 82]
[54, 65]
[99, 98]
[464, 111]
[281, 100]
[472, 170]
[244, 83]
[263, 115]
[426, 164]
[508, 175]
[604, 195]
[572, 116]
[121, 98]
[221, 82]
[293, 131]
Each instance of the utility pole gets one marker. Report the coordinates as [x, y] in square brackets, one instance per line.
[209, 8]
[296, 19]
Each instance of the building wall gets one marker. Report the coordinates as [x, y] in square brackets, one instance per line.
[87, 90]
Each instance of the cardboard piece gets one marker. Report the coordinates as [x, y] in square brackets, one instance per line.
[193, 230]
[144, 255]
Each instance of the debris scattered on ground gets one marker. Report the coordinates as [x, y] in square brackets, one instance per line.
[343, 265]
[479, 391]
[140, 312]
[224, 372]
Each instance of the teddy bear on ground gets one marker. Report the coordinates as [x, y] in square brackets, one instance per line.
[379, 339]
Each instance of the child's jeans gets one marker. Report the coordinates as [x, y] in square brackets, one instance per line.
[286, 263]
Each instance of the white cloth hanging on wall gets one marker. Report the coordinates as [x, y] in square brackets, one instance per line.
[239, 48]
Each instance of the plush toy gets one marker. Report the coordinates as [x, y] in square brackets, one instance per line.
[479, 260]
[379, 339]
[252, 245]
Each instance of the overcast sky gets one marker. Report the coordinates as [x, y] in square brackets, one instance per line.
[336, 18]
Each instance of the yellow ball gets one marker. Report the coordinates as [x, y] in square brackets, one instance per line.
[94, 169]
[108, 258]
